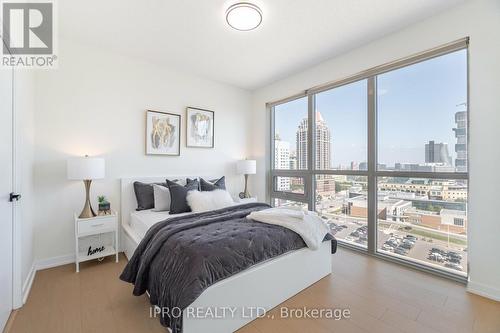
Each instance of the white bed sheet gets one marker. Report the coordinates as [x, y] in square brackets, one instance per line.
[142, 220]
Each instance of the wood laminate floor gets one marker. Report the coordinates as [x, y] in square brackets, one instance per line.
[381, 296]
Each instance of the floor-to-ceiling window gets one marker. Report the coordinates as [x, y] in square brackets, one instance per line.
[385, 164]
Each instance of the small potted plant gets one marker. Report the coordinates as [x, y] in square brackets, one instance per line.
[104, 205]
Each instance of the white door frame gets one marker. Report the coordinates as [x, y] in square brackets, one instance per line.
[17, 285]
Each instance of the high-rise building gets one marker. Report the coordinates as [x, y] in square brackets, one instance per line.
[301, 142]
[323, 144]
[461, 145]
[282, 161]
[437, 153]
[325, 184]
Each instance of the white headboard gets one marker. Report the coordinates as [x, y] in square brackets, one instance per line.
[127, 194]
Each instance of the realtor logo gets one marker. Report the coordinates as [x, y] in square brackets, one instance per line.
[28, 34]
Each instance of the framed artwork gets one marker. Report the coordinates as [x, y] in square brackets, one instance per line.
[163, 133]
[199, 128]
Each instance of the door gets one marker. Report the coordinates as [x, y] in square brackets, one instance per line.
[6, 107]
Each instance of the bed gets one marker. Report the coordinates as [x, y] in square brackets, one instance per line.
[262, 286]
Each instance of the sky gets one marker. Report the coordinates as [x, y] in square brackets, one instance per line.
[415, 104]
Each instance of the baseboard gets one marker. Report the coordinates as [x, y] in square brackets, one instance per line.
[484, 290]
[55, 261]
[44, 264]
[28, 283]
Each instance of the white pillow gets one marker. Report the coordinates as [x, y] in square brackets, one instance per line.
[208, 200]
[161, 198]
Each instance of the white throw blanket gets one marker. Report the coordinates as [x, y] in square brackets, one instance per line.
[307, 224]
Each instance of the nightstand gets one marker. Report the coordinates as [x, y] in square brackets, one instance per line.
[246, 200]
[96, 226]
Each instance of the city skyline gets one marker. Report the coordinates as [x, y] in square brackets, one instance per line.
[437, 157]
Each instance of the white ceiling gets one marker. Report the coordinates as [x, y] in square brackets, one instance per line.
[192, 35]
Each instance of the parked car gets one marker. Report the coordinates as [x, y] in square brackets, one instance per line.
[454, 266]
[392, 243]
[435, 257]
[407, 246]
[394, 239]
[453, 260]
[411, 237]
[436, 250]
[452, 254]
[400, 250]
[387, 247]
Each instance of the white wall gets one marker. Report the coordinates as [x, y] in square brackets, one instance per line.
[24, 104]
[95, 104]
[479, 19]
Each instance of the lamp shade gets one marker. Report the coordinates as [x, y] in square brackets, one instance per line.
[246, 167]
[83, 168]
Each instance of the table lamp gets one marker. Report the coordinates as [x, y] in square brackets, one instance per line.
[86, 169]
[246, 167]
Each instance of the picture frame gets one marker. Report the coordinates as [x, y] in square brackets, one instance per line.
[163, 133]
[200, 128]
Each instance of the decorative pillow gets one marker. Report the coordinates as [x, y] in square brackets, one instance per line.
[161, 198]
[216, 184]
[208, 200]
[145, 195]
[178, 195]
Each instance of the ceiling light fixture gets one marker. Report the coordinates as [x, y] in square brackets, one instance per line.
[243, 16]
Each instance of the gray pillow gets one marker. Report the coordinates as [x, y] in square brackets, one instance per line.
[216, 184]
[145, 195]
[178, 194]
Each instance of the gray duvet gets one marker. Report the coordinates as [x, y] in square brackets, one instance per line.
[182, 256]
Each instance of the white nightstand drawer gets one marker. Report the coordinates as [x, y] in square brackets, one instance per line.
[97, 225]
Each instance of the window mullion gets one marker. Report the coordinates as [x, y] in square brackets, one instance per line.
[311, 152]
[269, 178]
[372, 165]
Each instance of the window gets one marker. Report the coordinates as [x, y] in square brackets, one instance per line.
[422, 117]
[388, 170]
[341, 123]
[341, 201]
[423, 223]
[289, 184]
[290, 135]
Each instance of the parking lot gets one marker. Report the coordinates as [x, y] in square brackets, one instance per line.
[353, 231]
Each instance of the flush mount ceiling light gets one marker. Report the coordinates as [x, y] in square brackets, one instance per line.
[243, 16]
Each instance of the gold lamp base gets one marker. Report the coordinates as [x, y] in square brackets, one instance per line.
[87, 211]
[245, 194]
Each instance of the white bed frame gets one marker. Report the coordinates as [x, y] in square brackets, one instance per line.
[260, 287]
